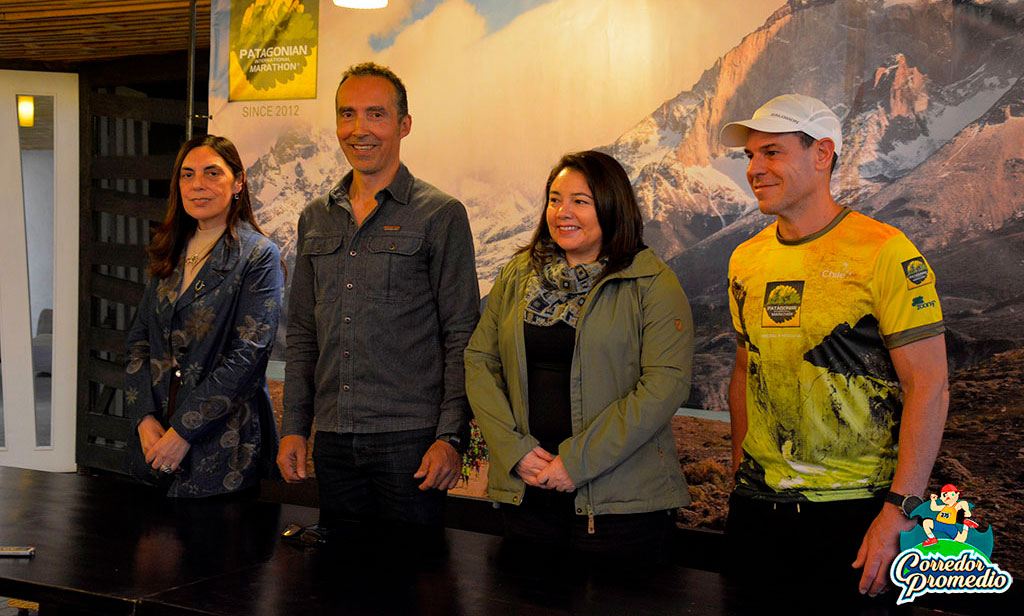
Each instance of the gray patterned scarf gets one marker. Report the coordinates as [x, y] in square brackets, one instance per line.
[559, 291]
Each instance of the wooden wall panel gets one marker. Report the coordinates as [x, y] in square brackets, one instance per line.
[129, 141]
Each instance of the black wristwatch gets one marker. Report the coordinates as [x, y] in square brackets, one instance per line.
[907, 504]
[454, 440]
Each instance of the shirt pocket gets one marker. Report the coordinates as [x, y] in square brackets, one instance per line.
[324, 252]
[397, 269]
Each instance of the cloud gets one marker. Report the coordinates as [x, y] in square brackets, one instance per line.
[566, 75]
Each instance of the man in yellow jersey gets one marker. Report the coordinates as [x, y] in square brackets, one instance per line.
[839, 393]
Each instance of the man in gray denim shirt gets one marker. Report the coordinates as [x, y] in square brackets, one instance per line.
[383, 300]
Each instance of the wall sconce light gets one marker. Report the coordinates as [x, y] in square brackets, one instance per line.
[26, 111]
[361, 4]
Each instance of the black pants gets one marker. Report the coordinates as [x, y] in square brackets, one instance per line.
[560, 531]
[800, 550]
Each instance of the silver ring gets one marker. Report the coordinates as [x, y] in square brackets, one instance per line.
[166, 469]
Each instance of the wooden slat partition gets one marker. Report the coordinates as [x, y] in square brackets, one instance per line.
[106, 253]
[107, 340]
[132, 167]
[116, 289]
[128, 204]
[116, 427]
[129, 141]
[162, 111]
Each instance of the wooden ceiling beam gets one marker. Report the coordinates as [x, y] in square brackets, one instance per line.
[95, 8]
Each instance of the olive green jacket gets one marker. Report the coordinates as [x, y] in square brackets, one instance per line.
[630, 372]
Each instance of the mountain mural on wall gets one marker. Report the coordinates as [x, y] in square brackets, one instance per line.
[933, 120]
[933, 117]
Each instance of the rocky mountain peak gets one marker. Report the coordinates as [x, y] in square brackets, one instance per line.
[906, 87]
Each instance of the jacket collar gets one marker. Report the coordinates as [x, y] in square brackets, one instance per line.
[400, 188]
[645, 263]
[223, 258]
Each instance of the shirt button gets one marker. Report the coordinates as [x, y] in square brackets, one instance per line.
[346, 387]
[347, 320]
[348, 286]
[346, 354]
[177, 373]
[351, 253]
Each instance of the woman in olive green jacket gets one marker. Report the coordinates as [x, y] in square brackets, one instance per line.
[579, 362]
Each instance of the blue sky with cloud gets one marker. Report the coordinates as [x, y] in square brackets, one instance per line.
[496, 13]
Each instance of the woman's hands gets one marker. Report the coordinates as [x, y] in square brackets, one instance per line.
[541, 469]
[533, 463]
[150, 431]
[163, 449]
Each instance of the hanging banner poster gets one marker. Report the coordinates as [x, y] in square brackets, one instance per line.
[273, 47]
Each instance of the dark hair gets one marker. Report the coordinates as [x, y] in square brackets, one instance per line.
[622, 228]
[170, 239]
[372, 69]
[808, 141]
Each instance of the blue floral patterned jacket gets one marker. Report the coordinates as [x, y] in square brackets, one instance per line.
[217, 335]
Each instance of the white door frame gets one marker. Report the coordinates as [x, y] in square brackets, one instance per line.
[20, 448]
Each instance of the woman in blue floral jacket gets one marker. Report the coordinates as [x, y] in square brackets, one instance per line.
[196, 386]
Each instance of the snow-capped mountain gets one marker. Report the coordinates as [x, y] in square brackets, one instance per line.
[932, 125]
[932, 103]
[301, 165]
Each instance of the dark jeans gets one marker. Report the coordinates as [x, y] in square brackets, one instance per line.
[369, 477]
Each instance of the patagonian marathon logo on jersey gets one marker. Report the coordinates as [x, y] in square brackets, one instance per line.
[917, 272]
[782, 302]
[947, 552]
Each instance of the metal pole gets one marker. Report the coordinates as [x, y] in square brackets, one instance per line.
[191, 72]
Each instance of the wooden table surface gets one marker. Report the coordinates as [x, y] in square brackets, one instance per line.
[108, 546]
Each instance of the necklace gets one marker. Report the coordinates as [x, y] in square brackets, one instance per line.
[201, 255]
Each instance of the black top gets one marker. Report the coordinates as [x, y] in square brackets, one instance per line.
[549, 353]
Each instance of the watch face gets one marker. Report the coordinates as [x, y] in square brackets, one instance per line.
[911, 503]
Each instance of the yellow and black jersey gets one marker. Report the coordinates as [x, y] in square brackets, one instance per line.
[818, 317]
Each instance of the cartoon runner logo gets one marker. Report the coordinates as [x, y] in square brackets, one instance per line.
[947, 552]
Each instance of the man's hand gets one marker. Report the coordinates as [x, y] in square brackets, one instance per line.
[291, 458]
[555, 476]
[921, 368]
[441, 467]
[168, 452]
[879, 548]
[533, 463]
[150, 431]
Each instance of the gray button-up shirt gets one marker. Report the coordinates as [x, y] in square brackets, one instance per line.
[379, 314]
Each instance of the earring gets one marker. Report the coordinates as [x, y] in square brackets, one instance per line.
[238, 196]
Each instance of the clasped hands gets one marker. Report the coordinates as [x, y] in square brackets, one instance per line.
[163, 449]
[542, 469]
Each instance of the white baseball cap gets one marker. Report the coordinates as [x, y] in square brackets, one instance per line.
[788, 113]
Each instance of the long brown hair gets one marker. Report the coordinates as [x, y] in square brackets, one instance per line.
[170, 239]
[622, 228]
